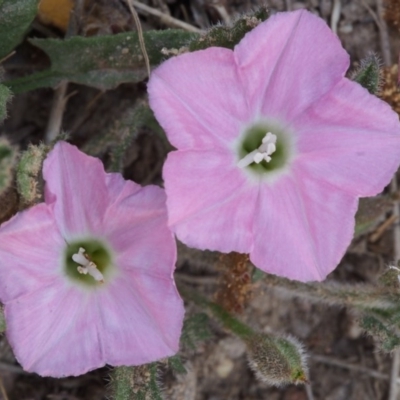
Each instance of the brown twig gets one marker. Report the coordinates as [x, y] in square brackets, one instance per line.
[165, 18]
[357, 368]
[60, 100]
[140, 35]
[335, 16]
[3, 390]
[372, 13]
[381, 229]
[384, 35]
[309, 391]
[56, 112]
[7, 56]
[394, 373]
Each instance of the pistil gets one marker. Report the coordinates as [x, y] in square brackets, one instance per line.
[87, 266]
[263, 152]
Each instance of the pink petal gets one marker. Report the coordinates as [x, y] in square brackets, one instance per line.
[54, 331]
[350, 139]
[142, 317]
[289, 62]
[198, 99]
[302, 228]
[136, 227]
[31, 248]
[76, 188]
[210, 201]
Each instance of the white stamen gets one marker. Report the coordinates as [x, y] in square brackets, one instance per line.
[80, 258]
[87, 266]
[268, 146]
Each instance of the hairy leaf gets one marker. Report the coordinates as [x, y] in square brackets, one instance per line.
[103, 62]
[15, 18]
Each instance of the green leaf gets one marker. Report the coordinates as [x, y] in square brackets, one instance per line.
[139, 116]
[29, 179]
[2, 321]
[8, 155]
[176, 364]
[195, 329]
[230, 36]
[370, 212]
[369, 74]
[135, 383]
[387, 336]
[4, 97]
[15, 18]
[103, 62]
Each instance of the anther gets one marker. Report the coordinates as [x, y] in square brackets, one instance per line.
[267, 147]
[87, 266]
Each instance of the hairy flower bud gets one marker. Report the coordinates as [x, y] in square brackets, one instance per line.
[277, 361]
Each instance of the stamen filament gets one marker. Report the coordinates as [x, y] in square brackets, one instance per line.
[87, 266]
[263, 152]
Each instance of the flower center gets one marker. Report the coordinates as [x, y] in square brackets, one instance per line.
[264, 147]
[264, 152]
[88, 262]
[87, 266]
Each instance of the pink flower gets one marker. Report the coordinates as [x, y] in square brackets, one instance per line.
[274, 146]
[86, 277]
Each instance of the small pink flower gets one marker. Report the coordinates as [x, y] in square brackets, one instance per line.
[86, 277]
[274, 145]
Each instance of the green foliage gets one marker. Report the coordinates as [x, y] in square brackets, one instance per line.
[2, 321]
[8, 155]
[29, 179]
[378, 306]
[4, 97]
[386, 335]
[229, 37]
[15, 18]
[135, 383]
[195, 329]
[369, 74]
[370, 211]
[103, 62]
[176, 364]
[277, 361]
[128, 129]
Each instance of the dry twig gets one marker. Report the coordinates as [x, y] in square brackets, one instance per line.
[383, 33]
[345, 365]
[381, 229]
[57, 112]
[140, 35]
[165, 18]
[60, 100]
[335, 16]
[7, 57]
[3, 390]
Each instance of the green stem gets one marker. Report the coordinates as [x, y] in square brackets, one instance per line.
[228, 321]
[362, 297]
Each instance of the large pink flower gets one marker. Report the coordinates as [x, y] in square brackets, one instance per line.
[274, 145]
[86, 277]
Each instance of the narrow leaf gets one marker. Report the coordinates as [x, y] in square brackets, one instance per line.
[103, 62]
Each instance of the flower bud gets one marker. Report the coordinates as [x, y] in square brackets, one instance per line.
[277, 361]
